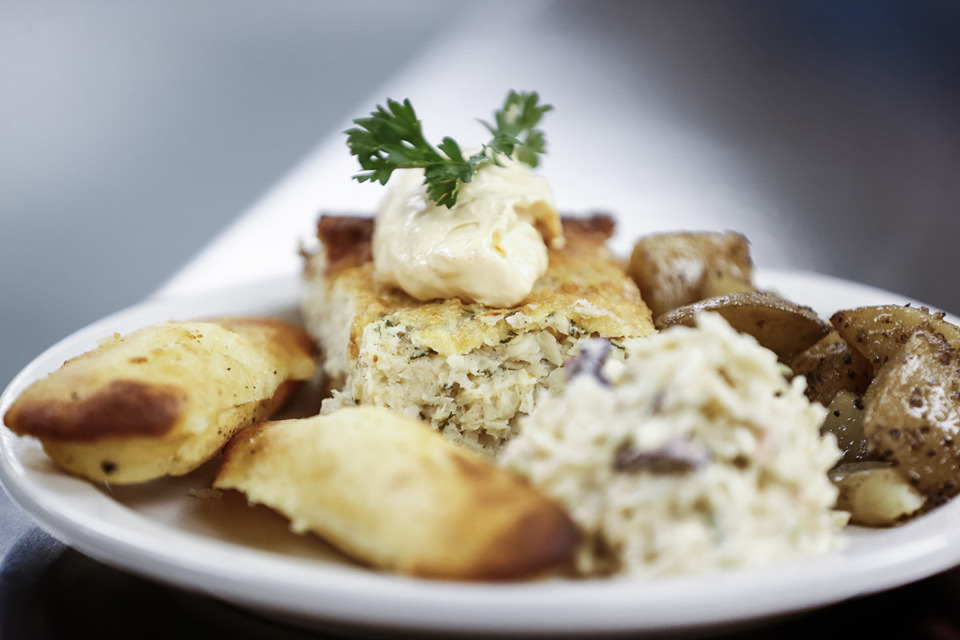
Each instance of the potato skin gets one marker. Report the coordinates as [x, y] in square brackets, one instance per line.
[912, 413]
[675, 269]
[845, 421]
[782, 326]
[831, 366]
[879, 331]
[393, 493]
[164, 399]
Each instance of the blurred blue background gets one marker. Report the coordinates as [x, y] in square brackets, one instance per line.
[131, 132]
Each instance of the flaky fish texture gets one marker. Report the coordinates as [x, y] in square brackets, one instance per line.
[468, 369]
[393, 493]
[164, 399]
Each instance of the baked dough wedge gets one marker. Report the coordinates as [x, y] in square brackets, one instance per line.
[393, 493]
[164, 399]
[468, 369]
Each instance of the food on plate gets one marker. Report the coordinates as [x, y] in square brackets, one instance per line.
[490, 247]
[509, 399]
[677, 269]
[469, 369]
[695, 453]
[392, 492]
[164, 399]
[912, 413]
[889, 375]
[466, 293]
[681, 274]
[784, 327]
[890, 442]
[845, 421]
[878, 332]
[832, 366]
[474, 227]
[875, 493]
[392, 139]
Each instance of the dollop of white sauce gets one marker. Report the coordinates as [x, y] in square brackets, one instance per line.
[490, 247]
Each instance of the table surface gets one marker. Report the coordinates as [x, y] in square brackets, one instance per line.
[826, 133]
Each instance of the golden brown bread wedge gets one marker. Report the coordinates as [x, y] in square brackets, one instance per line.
[393, 493]
[164, 399]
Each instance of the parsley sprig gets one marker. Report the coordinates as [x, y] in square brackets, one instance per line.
[392, 138]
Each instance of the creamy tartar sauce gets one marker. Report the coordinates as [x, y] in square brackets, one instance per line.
[489, 248]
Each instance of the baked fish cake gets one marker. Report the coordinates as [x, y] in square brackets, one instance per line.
[468, 369]
[164, 399]
[393, 493]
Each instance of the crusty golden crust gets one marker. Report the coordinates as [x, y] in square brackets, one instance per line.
[121, 408]
[164, 399]
[393, 493]
[281, 340]
[347, 241]
[471, 370]
[582, 279]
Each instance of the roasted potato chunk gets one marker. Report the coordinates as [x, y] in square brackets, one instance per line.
[878, 332]
[875, 494]
[394, 493]
[831, 366]
[675, 269]
[845, 421]
[912, 413]
[164, 399]
[785, 328]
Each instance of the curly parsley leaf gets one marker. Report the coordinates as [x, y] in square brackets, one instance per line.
[392, 138]
[515, 130]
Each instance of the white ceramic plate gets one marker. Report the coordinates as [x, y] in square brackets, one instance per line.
[166, 531]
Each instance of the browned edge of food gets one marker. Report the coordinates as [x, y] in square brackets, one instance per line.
[348, 239]
[290, 337]
[124, 408]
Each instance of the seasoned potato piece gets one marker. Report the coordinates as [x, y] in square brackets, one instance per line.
[912, 413]
[164, 399]
[845, 421]
[875, 494]
[785, 328]
[394, 493]
[831, 366]
[674, 269]
[878, 332]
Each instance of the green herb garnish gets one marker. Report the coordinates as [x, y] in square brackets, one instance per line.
[392, 138]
